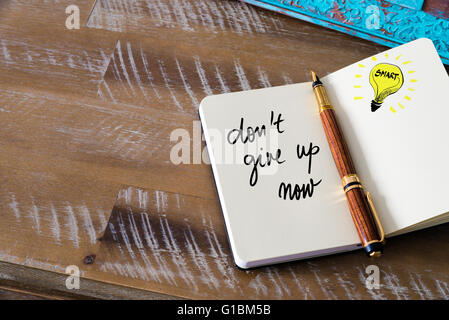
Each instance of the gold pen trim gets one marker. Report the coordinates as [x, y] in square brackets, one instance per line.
[351, 181]
[322, 99]
[354, 180]
[322, 108]
[376, 218]
[349, 178]
[353, 187]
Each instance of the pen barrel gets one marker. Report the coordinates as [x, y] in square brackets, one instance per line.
[361, 210]
[337, 143]
[362, 216]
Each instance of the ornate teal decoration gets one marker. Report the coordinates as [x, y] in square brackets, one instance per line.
[375, 20]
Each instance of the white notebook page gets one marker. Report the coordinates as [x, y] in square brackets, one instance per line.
[262, 227]
[400, 151]
[401, 155]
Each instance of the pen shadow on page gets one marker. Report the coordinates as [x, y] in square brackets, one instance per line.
[367, 178]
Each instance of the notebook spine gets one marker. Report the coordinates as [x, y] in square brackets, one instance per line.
[355, 194]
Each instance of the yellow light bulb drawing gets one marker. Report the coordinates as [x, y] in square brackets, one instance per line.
[386, 79]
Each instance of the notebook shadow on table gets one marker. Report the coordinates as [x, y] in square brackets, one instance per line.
[176, 244]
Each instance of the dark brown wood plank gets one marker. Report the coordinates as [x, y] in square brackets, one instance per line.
[176, 244]
[8, 294]
[19, 282]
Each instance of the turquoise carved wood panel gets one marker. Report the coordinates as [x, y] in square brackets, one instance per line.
[383, 22]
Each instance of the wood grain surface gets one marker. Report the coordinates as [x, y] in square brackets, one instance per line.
[87, 115]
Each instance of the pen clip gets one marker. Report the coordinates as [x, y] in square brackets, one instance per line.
[376, 218]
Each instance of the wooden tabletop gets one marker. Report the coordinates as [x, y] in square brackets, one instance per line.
[89, 118]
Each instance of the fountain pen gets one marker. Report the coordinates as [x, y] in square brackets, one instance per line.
[361, 206]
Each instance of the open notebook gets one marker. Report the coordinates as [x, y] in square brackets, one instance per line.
[295, 207]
